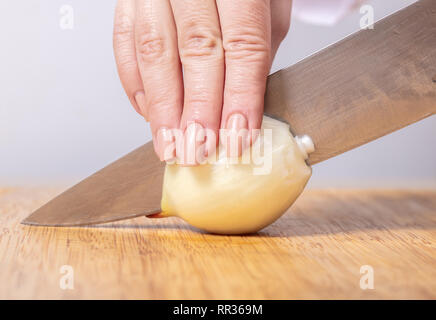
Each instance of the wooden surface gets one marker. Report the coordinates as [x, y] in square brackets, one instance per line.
[315, 251]
[368, 85]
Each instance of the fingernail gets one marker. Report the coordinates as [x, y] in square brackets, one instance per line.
[140, 103]
[165, 144]
[194, 144]
[237, 122]
[237, 126]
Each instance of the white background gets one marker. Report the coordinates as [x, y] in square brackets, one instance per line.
[64, 115]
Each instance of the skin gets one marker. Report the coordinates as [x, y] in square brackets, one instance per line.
[225, 49]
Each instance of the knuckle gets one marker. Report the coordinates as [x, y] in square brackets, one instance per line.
[163, 105]
[123, 29]
[196, 43]
[246, 46]
[249, 93]
[198, 101]
[150, 47]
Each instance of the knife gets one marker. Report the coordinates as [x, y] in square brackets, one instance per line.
[357, 90]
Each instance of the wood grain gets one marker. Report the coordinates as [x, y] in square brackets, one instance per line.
[314, 251]
[363, 87]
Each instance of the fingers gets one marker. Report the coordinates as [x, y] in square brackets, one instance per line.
[147, 47]
[280, 22]
[160, 70]
[202, 57]
[246, 33]
[125, 55]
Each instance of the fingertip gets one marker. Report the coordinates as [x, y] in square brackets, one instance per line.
[194, 145]
[165, 144]
[237, 134]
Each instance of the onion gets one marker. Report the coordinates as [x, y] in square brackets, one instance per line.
[240, 198]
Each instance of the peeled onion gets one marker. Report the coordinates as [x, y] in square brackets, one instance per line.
[236, 198]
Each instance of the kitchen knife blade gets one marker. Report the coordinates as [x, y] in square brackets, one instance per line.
[368, 85]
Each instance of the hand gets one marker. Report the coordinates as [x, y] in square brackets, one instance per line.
[197, 64]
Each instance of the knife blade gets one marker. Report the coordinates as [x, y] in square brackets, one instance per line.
[357, 90]
[368, 85]
[127, 188]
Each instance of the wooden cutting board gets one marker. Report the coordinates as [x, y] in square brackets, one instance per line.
[315, 251]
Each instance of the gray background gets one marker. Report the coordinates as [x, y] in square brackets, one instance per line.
[64, 115]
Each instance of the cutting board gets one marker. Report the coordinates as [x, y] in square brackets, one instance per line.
[316, 250]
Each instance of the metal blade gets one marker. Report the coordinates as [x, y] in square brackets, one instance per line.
[368, 85]
[128, 188]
